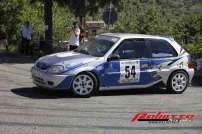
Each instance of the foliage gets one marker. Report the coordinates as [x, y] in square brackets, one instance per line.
[34, 14]
[9, 16]
[62, 21]
[13, 13]
[188, 29]
[181, 19]
[146, 18]
[85, 8]
[153, 17]
[195, 49]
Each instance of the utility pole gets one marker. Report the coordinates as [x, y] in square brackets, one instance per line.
[48, 24]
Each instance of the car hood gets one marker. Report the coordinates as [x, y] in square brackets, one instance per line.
[67, 59]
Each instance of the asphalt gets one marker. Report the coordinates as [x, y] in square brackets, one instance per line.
[26, 109]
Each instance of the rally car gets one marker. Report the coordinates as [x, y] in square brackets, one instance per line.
[114, 61]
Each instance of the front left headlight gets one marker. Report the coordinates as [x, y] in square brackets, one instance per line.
[56, 69]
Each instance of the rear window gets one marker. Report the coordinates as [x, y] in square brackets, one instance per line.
[161, 49]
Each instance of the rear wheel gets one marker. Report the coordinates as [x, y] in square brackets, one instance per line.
[178, 82]
[84, 85]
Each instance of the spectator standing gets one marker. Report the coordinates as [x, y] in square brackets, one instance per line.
[74, 36]
[42, 44]
[26, 37]
[3, 39]
[199, 62]
[81, 36]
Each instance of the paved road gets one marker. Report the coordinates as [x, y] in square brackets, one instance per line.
[25, 109]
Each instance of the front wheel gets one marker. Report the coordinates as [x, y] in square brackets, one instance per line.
[84, 85]
[178, 82]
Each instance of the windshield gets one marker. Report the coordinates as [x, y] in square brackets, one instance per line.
[95, 47]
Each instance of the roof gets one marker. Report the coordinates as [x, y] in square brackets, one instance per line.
[130, 35]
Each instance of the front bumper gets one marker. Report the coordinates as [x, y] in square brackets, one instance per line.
[51, 81]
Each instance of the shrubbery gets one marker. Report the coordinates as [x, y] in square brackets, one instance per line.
[13, 13]
[134, 16]
[195, 49]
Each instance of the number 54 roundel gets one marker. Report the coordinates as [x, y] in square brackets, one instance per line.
[129, 71]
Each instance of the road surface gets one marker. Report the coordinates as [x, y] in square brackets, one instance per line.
[25, 109]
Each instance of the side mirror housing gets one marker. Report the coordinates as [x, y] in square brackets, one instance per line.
[113, 57]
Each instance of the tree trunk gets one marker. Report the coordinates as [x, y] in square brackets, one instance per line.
[81, 20]
[48, 24]
[201, 26]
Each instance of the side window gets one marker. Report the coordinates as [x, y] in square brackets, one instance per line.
[132, 49]
[162, 49]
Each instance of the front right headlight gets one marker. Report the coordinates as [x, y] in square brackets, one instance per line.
[56, 69]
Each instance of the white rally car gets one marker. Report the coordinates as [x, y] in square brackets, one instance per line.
[116, 61]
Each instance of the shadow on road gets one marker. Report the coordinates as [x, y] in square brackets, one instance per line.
[197, 82]
[15, 58]
[145, 91]
[37, 93]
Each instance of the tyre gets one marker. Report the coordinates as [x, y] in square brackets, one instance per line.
[84, 85]
[178, 82]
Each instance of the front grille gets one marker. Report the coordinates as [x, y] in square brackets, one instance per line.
[42, 66]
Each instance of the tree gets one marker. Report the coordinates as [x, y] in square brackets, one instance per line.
[10, 10]
[142, 17]
[82, 8]
[188, 28]
[77, 7]
[34, 13]
[62, 21]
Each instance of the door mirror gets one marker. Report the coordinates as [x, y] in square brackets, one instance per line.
[113, 57]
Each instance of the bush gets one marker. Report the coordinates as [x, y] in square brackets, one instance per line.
[195, 49]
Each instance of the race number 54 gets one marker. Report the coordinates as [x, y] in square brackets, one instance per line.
[129, 71]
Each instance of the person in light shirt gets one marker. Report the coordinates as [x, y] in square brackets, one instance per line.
[74, 36]
[26, 37]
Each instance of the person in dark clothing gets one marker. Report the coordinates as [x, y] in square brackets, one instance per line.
[3, 39]
[26, 38]
[42, 44]
[38, 49]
